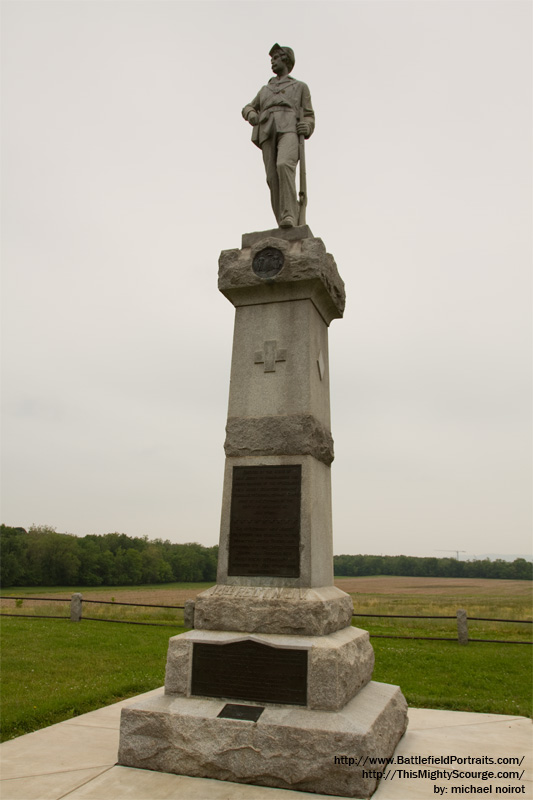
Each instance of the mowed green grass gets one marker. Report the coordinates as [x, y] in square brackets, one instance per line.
[54, 669]
[486, 678]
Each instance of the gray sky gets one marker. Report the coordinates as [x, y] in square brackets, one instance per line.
[127, 168]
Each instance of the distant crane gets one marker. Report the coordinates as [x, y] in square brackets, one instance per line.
[452, 551]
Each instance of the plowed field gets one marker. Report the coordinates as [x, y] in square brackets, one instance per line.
[386, 585]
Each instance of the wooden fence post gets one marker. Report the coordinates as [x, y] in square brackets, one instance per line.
[75, 607]
[462, 626]
[188, 614]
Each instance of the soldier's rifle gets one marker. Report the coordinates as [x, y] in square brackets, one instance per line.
[302, 194]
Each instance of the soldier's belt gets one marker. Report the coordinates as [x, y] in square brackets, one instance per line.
[278, 108]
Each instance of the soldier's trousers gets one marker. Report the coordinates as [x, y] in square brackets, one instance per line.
[280, 156]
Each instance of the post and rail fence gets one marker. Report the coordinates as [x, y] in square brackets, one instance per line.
[77, 601]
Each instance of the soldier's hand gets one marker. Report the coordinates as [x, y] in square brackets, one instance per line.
[302, 128]
[253, 118]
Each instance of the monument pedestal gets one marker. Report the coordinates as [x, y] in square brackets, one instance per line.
[290, 747]
[313, 611]
[273, 684]
[320, 672]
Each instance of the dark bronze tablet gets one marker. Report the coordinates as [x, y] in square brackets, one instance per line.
[250, 671]
[248, 713]
[264, 538]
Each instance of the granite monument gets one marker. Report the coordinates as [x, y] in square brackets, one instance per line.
[273, 685]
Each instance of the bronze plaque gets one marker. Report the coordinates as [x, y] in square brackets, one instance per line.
[268, 262]
[250, 671]
[248, 713]
[264, 536]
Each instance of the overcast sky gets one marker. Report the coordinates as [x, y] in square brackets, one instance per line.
[127, 168]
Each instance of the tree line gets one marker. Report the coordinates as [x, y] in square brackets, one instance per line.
[519, 569]
[43, 557]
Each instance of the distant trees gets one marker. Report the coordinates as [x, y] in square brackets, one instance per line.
[43, 557]
[519, 569]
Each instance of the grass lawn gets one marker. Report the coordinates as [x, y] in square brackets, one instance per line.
[53, 670]
[488, 678]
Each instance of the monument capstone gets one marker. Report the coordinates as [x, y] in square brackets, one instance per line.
[273, 684]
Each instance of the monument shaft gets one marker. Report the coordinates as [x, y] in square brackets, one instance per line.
[273, 682]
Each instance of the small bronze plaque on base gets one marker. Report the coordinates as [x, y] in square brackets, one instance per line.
[248, 713]
[264, 537]
[250, 671]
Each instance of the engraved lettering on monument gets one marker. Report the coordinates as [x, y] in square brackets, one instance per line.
[250, 671]
[264, 538]
[268, 262]
[269, 356]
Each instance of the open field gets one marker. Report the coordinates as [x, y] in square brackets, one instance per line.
[166, 594]
[480, 597]
[177, 593]
[53, 669]
[393, 584]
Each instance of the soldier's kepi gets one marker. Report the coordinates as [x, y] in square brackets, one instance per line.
[282, 117]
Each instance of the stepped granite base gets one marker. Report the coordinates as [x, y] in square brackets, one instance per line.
[288, 747]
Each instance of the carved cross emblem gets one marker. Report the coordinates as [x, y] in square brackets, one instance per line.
[269, 356]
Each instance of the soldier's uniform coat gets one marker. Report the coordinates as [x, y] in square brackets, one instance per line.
[278, 105]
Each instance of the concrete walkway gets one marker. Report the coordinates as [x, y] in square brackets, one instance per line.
[76, 760]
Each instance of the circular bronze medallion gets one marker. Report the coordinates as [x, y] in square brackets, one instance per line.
[268, 262]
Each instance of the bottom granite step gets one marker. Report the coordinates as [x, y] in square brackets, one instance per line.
[288, 747]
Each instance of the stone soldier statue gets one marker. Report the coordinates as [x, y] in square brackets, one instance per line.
[282, 116]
